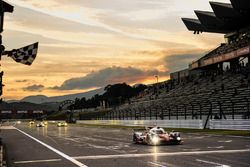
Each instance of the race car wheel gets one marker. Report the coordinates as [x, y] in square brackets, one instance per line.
[135, 139]
[148, 140]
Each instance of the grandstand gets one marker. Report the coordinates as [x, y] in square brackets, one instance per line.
[216, 86]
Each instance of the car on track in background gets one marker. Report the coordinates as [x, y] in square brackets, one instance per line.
[40, 124]
[45, 122]
[62, 124]
[31, 122]
[156, 136]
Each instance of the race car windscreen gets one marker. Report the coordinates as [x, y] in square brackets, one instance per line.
[158, 131]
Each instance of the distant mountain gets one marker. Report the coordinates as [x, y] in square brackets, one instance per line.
[39, 99]
[14, 106]
[12, 101]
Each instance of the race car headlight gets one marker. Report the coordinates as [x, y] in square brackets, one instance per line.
[178, 138]
[155, 140]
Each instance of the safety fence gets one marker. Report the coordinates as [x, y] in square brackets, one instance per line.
[190, 124]
[220, 107]
[2, 159]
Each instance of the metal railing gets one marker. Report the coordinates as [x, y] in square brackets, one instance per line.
[161, 110]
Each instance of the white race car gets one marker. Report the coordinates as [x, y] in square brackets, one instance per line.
[156, 136]
[62, 124]
[40, 124]
[31, 122]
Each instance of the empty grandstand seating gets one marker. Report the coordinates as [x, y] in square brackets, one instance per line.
[203, 91]
[201, 98]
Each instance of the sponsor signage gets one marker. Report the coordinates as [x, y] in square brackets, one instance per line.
[229, 56]
[6, 112]
[218, 59]
[38, 112]
[22, 112]
[208, 61]
[225, 57]
[194, 65]
[243, 51]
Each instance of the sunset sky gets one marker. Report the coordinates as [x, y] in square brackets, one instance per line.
[87, 44]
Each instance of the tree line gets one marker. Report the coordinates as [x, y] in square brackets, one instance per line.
[114, 95]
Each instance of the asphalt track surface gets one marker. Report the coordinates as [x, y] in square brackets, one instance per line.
[29, 146]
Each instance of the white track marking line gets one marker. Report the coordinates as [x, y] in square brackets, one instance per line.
[37, 161]
[234, 136]
[155, 164]
[160, 154]
[55, 150]
[6, 127]
[218, 147]
[225, 141]
[191, 149]
[212, 163]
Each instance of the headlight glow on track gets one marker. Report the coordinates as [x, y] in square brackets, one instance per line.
[155, 140]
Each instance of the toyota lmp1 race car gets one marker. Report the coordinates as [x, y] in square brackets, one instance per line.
[62, 124]
[156, 136]
[31, 122]
[40, 124]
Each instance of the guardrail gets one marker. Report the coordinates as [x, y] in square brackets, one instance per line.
[191, 124]
[236, 124]
[2, 161]
[1, 156]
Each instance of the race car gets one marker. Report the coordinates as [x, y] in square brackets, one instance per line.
[45, 122]
[31, 122]
[40, 124]
[62, 124]
[156, 136]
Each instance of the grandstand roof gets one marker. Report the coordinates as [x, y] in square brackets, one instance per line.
[225, 17]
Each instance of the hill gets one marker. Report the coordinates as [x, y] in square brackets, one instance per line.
[39, 99]
[14, 106]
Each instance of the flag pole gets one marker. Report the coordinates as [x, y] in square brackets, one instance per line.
[4, 7]
[1, 47]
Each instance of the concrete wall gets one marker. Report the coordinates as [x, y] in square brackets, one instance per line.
[193, 124]
[238, 124]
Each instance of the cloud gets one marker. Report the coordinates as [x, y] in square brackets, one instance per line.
[34, 88]
[98, 16]
[180, 61]
[24, 16]
[12, 89]
[114, 5]
[107, 76]
[20, 81]
[80, 36]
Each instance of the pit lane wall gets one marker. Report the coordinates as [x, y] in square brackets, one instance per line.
[239, 124]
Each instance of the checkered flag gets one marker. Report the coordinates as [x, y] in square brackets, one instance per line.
[25, 55]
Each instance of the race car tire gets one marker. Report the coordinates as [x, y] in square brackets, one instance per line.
[134, 139]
